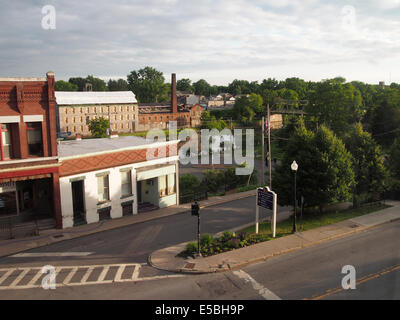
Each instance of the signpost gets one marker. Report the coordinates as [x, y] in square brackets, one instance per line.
[267, 199]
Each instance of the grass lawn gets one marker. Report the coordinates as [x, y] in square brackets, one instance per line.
[313, 220]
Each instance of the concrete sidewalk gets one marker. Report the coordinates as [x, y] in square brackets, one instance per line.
[46, 237]
[165, 259]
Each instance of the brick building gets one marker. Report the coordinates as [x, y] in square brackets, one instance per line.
[29, 177]
[76, 109]
[158, 115]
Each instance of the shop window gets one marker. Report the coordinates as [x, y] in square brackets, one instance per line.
[103, 189]
[6, 142]
[126, 183]
[8, 204]
[171, 183]
[35, 143]
[162, 186]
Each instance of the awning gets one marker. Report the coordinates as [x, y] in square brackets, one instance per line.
[23, 178]
[150, 172]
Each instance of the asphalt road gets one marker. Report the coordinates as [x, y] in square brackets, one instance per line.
[314, 272]
[134, 243]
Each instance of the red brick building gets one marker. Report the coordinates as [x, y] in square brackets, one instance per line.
[29, 178]
[158, 115]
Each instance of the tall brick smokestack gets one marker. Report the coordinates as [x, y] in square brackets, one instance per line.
[174, 99]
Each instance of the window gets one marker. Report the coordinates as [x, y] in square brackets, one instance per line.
[103, 189]
[162, 186]
[171, 183]
[5, 143]
[126, 183]
[8, 204]
[166, 184]
[35, 143]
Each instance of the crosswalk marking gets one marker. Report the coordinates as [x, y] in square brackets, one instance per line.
[6, 275]
[87, 275]
[34, 279]
[119, 272]
[103, 274]
[115, 272]
[19, 278]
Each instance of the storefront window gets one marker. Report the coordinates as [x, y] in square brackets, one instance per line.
[8, 205]
[35, 143]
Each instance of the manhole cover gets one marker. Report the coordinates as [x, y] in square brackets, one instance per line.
[58, 236]
[189, 265]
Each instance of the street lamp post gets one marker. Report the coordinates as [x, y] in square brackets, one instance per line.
[294, 166]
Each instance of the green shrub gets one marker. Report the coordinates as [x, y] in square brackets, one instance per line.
[234, 243]
[206, 240]
[191, 248]
[227, 236]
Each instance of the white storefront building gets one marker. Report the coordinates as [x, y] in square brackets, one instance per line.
[111, 178]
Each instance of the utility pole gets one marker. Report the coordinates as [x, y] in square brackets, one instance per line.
[269, 148]
[262, 152]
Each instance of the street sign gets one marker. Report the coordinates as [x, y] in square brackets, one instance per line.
[265, 198]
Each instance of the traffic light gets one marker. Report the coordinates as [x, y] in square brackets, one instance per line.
[195, 209]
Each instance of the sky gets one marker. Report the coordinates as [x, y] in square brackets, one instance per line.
[217, 40]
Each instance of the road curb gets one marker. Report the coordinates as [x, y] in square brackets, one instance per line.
[279, 253]
[50, 239]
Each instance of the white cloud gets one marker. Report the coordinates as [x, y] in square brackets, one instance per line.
[216, 40]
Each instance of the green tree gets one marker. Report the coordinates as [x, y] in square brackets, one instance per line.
[368, 163]
[117, 85]
[97, 83]
[336, 105]
[184, 85]
[62, 85]
[202, 88]
[325, 173]
[386, 117]
[98, 127]
[188, 183]
[147, 84]
[79, 82]
[246, 107]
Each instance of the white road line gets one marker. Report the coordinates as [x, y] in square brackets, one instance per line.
[264, 292]
[103, 274]
[51, 254]
[72, 270]
[87, 275]
[35, 278]
[135, 274]
[70, 275]
[5, 276]
[119, 273]
[19, 278]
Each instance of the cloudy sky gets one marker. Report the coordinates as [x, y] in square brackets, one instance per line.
[218, 40]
